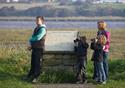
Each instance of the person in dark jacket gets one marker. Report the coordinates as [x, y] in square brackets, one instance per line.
[97, 45]
[37, 47]
[81, 47]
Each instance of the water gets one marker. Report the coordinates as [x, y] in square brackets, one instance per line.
[60, 24]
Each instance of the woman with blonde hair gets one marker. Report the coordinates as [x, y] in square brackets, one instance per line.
[102, 31]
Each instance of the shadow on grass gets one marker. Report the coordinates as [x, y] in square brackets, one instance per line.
[116, 72]
[9, 80]
[117, 69]
[6, 76]
[9, 70]
[10, 76]
[57, 76]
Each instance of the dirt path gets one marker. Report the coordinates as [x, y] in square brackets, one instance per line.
[89, 85]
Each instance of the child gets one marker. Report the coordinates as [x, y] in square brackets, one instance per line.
[37, 46]
[102, 30]
[97, 45]
[81, 52]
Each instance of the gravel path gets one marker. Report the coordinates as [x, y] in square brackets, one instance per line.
[88, 85]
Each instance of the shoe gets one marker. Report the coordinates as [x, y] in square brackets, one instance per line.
[79, 82]
[103, 82]
[34, 80]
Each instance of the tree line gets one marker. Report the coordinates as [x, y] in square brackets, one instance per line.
[52, 11]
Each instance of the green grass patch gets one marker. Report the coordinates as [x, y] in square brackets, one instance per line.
[57, 76]
[15, 61]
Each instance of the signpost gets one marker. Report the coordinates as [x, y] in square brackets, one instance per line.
[60, 41]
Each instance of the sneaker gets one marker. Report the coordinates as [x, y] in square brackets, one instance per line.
[34, 80]
[103, 82]
[79, 82]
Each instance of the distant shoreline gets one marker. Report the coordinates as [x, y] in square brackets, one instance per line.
[106, 18]
[60, 24]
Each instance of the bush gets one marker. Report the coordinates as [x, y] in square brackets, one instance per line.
[64, 12]
[47, 11]
[7, 11]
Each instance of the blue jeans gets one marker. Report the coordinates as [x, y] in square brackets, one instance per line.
[105, 66]
[105, 63]
[100, 71]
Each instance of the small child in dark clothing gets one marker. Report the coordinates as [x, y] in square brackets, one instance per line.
[81, 51]
[97, 45]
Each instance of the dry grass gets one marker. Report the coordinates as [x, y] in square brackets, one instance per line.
[19, 38]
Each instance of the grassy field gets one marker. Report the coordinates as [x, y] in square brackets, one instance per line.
[15, 60]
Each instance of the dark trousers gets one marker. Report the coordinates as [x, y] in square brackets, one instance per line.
[81, 69]
[37, 54]
[95, 75]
